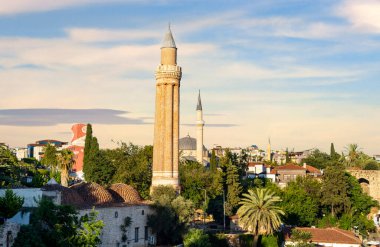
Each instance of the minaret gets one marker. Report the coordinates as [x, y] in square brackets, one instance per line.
[200, 124]
[269, 152]
[166, 124]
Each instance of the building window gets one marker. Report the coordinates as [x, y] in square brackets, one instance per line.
[142, 212]
[136, 234]
[116, 214]
[146, 233]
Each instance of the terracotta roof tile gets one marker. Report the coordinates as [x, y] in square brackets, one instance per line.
[125, 192]
[290, 166]
[312, 169]
[327, 235]
[93, 193]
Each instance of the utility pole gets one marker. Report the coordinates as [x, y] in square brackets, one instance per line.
[224, 214]
[204, 212]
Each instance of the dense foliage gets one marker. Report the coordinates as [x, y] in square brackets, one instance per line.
[56, 225]
[128, 163]
[196, 238]
[14, 172]
[10, 204]
[171, 215]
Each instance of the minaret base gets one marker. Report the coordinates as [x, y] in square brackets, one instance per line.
[165, 181]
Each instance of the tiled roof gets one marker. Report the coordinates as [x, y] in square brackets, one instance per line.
[126, 192]
[290, 166]
[250, 164]
[327, 235]
[93, 193]
[69, 196]
[87, 195]
[312, 169]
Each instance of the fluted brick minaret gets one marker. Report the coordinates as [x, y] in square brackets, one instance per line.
[166, 125]
[200, 124]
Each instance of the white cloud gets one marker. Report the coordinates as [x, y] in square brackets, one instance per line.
[105, 35]
[11, 7]
[364, 15]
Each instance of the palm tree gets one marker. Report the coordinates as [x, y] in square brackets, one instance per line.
[66, 162]
[353, 153]
[259, 213]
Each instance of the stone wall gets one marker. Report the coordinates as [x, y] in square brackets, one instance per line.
[113, 218]
[8, 233]
[369, 180]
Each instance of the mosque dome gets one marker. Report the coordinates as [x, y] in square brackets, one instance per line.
[126, 192]
[93, 193]
[187, 143]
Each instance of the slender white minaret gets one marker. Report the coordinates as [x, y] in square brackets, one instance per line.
[200, 124]
[269, 151]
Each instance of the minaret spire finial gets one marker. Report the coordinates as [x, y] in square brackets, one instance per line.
[199, 105]
[168, 41]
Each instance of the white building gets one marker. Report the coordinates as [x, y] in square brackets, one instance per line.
[260, 170]
[21, 153]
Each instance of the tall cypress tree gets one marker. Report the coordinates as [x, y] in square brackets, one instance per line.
[287, 157]
[233, 189]
[213, 161]
[87, 152]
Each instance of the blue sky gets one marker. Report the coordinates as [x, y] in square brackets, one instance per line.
[305, 73]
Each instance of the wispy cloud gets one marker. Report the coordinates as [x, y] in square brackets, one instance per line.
[214, 125]
[107, 35]
[50, 117]
[25, 6]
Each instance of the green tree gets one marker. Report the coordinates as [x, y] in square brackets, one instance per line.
[87, 147]
[105, 170]
[133, 166]
[90, 154]
[10, 204]
[196, 238]
[259, 213]
[233, 190]
[318, 159]
[300, 206]
[9, 167]
[213, 161]
[58, 225]
[171, 215]
[88, 230]
[50, 157]
[195, 177]
[301, 238]
[333, 155]
[334, 189]
[287, 157]
[65, 162]
[371, 165]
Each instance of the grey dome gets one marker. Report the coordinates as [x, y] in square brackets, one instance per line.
[189, 143]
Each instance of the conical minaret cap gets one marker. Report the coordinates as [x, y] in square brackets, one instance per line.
[168, 41]
[199, 105]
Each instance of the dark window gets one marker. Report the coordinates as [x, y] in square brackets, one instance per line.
[142, 212]
[116, 214]
[136, 234]
[146, 233]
